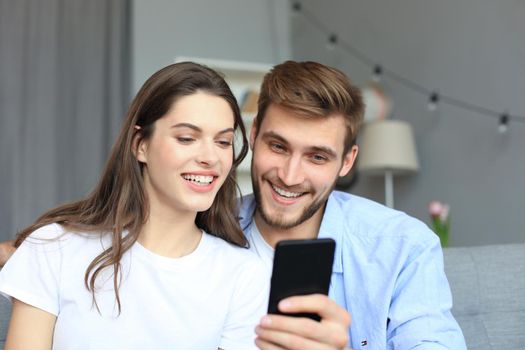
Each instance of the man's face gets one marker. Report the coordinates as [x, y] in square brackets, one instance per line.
[295, 165]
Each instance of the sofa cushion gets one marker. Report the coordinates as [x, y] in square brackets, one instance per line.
[488, 287]
[5, 315]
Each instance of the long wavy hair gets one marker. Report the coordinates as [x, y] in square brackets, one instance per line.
[118, 204]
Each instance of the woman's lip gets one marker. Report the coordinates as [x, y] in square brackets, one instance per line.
[200, 188]
[201, 173]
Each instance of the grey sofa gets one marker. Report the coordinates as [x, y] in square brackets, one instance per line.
[488, 286]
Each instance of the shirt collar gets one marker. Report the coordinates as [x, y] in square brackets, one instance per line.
[247, 211]
[331, 224]
[332, 227]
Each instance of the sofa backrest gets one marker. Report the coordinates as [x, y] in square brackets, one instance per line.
[488, 289]
[5, 315]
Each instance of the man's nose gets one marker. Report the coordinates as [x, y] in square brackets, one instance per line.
[291, 172]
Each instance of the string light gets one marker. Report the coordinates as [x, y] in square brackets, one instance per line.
[296, 6]
[379, 71]
[503, 123]
[433, 101]
[332, 41]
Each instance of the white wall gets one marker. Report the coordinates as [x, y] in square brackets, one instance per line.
[240, 30]
[470, 49]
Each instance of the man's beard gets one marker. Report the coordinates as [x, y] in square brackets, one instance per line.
[279, 222]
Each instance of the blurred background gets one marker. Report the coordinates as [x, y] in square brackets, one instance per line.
[453, 70]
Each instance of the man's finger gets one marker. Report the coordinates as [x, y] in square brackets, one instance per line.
[327, 332]
[276, 339]
[265, 345]
[319, 304]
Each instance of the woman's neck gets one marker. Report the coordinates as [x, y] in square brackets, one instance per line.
[170, 234]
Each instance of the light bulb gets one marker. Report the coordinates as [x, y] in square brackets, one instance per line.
[433, 101]
[503, 123]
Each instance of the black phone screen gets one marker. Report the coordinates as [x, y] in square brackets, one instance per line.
[301, 267]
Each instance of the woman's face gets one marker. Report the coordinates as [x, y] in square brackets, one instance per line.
[189, 155]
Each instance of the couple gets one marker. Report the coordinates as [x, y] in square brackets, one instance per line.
[155, 256]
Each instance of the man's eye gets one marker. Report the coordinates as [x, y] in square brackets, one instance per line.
[318, 158]
[277, 147]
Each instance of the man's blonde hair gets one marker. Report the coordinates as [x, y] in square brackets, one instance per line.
[312, 90]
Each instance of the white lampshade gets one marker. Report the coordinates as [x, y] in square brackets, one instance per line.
[387, 145]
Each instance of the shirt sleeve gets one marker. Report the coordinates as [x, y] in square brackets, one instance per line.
[32, 274]
[420, 312]
[249, 303]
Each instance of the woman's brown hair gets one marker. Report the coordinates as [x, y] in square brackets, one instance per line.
[118, 204]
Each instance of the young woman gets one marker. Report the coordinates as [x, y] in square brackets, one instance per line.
[152, 259]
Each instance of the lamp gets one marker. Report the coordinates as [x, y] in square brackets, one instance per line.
[387, 147]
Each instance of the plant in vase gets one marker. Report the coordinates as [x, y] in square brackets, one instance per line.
[439, 215]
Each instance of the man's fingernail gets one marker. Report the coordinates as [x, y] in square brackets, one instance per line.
[285, 304]
[266, 321]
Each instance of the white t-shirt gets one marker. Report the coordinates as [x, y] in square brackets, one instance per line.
[213, 297]
[259, 246]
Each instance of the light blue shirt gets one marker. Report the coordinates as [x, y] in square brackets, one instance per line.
[388, 273]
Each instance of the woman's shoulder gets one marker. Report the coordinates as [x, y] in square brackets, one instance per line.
[240, 262]
[58, 236]
[48, 232]
[220, 246]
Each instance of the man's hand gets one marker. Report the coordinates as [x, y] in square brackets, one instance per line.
[6, 250]
[277, 332]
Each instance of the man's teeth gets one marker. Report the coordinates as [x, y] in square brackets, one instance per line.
[286, 193]
[202, 179]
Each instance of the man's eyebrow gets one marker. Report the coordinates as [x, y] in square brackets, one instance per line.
[328, 151]
[274, 135]
[323, 149]
[196, 128]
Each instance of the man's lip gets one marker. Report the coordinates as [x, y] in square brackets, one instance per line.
[285, 188]
[282, 199]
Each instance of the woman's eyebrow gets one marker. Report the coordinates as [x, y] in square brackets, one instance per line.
[196, 128]
[226, 130]
[187, 125]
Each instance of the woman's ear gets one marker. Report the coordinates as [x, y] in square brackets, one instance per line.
[139, 146]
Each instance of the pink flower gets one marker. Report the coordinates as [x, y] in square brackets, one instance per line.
[444, 212]
[439, 213]
[435, 208]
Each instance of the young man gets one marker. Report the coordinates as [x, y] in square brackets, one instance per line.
[388, 269]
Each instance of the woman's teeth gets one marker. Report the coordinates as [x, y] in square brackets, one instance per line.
[201, 179]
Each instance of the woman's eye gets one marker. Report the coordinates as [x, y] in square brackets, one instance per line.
[184, 140]
[224, 143]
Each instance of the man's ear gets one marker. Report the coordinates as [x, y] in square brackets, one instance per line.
[140, 147]
[253, 133]
[349, 160]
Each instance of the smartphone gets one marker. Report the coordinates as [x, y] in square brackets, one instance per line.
[301, 267]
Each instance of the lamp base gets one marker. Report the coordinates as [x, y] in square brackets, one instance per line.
[389, 188]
